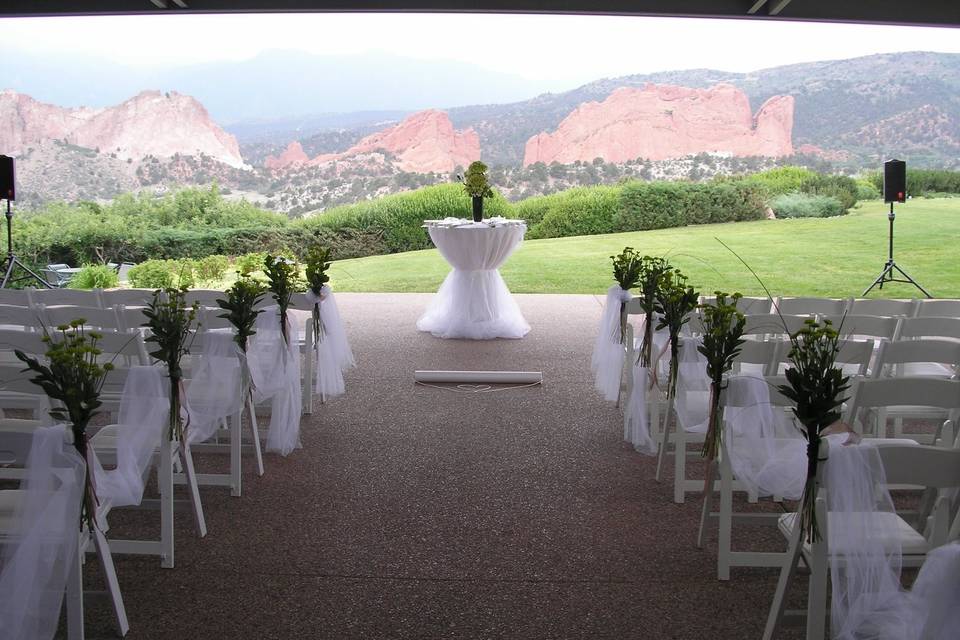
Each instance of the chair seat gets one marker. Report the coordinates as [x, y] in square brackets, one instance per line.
[899, 534]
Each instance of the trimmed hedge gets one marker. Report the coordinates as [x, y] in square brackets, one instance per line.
[922, 181]
[659, 205]
[581, 211]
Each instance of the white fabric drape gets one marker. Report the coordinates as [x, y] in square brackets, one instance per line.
[692, 402]
[473, 302]
[215, 389]
[332, 355]
[638, 410]
[767, 454]
[275, 375]
[142, 425]
[608, 348]
[42, 546]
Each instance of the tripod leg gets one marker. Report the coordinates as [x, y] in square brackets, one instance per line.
[911, 280]
[881, 278]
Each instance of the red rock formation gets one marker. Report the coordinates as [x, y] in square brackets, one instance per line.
[425, 142]
[150, 123]
[659, 122]
[292, 156]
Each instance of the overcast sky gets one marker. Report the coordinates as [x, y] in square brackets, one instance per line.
[564, 50]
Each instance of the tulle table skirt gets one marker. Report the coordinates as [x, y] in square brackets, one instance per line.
[473, 302]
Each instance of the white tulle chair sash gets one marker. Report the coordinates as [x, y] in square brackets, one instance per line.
[692, 401]
[41, 546]
[332, 354]
[215, 390]
[275, 375]
[608, 348]
[140, 429]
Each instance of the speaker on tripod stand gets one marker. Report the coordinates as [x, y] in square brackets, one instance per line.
[8, 192]
[894, 190]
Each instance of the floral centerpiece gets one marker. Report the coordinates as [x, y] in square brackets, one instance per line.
[283, 276]
[816, 385]
[477, 186]
[74, 377]
[626, 271]
[650, 281]
[171, 322]
[722, 338]
[318, 262]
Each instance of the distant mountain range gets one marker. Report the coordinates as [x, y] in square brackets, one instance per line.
[851, 113]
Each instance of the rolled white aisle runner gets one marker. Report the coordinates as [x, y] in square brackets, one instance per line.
[479, 377]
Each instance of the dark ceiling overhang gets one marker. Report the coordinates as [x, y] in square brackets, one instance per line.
[943, 13]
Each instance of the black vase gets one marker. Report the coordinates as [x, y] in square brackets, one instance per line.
[477, 208]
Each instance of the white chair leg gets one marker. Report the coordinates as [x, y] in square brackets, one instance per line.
[787, 571]
[236, 459]
[707, 503]
[255, 435]
[309, 373]
[113, 586]
[74, 597]
[817, 588]
[165, 480]
[725, 520]
[664, 440]
[194, 489]
[679, 465]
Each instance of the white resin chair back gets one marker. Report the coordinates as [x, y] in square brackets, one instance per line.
[936, 358]
[930, 327]
[938, 308]
[772, 324]
[96, 317]
[883, 307]
[811, 306]
[918, 393]
[21, 317]
[17, 297]
[126, 297]
[205, 297]
[866, 326]
[78, 297]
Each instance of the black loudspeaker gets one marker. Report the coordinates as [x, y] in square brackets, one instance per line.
[894, 181]
[7, 187]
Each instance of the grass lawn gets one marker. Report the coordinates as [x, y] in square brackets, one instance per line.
[835, 257]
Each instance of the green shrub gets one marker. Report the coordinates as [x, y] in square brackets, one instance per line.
[250, 262]
[212, 268]
[183, 272]
[658, 205]
[781, 180]
[578, 212]
[921, 181]
[842, 188]
[650, 205]
[866, 190]
[152, 274]
[95, 276]
[804, 205]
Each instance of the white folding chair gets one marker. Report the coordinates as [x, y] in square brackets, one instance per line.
[932, 467]
[938, 308]
[747, 304]
[934, 358]
[15, 445]
[882, 307]
[757, 355]
[727, 483]
[766, 325]
[811, 306]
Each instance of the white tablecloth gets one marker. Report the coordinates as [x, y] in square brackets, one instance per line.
[473, 301]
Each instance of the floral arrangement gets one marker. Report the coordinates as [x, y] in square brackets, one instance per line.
[722, 338]
[675, 303]
[318, 262]
[626, 268]
[241, 308]
[74, 377]
[649, 282]
[475, 181]
[816, 385]
[283, 277]
[171, 322]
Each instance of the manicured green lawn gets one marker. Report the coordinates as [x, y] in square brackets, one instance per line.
[836, 257]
